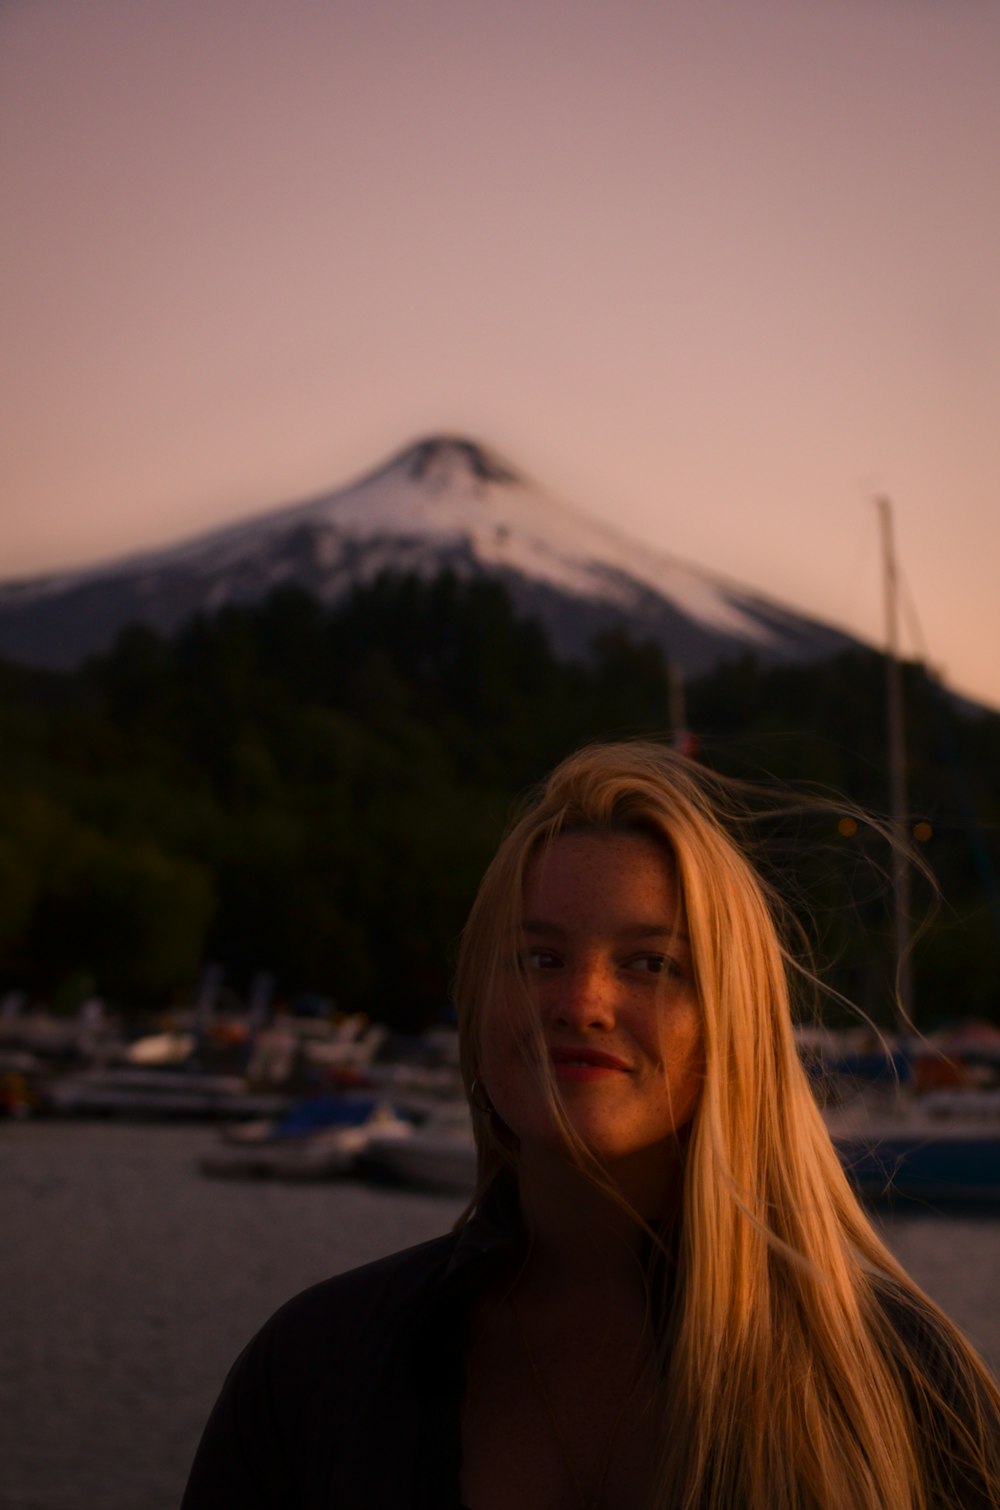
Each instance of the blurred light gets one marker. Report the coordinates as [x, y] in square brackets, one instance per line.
[847, 827]
[922, 831]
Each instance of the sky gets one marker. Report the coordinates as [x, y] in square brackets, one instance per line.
[719, 272]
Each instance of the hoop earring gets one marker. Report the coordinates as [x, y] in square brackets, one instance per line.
[478, 1097]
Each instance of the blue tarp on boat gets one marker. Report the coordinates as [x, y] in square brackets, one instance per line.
[343, 1109]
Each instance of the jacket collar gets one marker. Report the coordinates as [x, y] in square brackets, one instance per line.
[492, 1233]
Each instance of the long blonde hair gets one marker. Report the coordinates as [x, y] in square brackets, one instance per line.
[801, 1366]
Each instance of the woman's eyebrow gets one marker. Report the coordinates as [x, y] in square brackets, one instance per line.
[633, 931]
[654, 930]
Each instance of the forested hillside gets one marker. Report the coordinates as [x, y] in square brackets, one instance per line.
[315, 793]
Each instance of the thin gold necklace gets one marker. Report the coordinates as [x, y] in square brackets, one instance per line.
[586, 1501]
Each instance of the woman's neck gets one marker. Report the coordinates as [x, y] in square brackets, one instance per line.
[579, 1235]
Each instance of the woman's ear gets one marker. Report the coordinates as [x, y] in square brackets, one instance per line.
[478, 1095]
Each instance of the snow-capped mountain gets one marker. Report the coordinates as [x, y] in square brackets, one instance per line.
[442, 502]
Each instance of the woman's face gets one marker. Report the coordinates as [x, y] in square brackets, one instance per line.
[608, 965]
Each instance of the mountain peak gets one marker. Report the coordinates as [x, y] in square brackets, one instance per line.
[446, 457]
[444, 501]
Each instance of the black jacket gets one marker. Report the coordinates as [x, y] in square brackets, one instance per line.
[349, 1397]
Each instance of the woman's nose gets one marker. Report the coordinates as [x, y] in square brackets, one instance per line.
[585, 999]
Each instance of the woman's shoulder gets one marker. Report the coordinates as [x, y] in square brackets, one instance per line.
[331, 1376]
[953, 1396]
[923, 1334]
[407, 1282]
[384, 1287]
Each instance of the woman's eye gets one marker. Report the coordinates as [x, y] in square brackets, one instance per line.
[654, 964]
[540, 959]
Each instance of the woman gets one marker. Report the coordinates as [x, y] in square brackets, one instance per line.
[665, 1293]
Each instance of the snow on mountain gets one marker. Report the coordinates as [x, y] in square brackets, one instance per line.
[445, 501]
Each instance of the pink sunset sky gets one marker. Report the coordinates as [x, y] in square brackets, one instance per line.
[716, 272]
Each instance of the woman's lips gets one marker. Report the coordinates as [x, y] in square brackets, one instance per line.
[585, 1064]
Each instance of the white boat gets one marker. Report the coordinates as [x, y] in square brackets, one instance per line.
[941, 1148]
[161, 1049]
[440, 1155]
[158, 1093]
[325, 1152]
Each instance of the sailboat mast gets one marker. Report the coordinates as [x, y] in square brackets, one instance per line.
[676, 711]
[897, 771]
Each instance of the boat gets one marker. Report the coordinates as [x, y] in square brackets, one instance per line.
[159, 1050]
[908, 1118]
[320, 1137]
[909, 1122]
[158, 1093]
[943, 1149]
[440, 1155]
